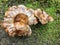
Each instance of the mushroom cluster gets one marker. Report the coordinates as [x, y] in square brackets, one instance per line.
[18, 18]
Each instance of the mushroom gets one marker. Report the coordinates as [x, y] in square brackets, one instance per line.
[43, 16]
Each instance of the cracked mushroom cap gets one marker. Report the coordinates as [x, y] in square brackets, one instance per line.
[13, 25]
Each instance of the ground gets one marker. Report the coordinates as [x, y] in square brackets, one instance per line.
[48, 34]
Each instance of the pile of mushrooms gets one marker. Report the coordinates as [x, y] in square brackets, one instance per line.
[17, 20]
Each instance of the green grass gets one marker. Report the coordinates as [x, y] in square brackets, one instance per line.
[48, 34]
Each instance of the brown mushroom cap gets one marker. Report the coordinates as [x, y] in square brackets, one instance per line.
[16, 20]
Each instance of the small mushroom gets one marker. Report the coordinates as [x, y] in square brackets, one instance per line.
[43, 16]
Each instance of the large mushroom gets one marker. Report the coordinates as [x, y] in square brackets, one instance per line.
[16, 21]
